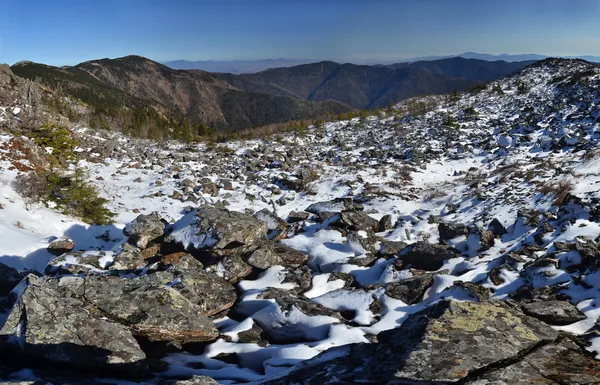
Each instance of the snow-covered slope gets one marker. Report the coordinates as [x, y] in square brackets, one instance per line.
[508, 176]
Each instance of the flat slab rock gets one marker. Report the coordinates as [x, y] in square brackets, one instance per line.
[554, 312]
[444, 343]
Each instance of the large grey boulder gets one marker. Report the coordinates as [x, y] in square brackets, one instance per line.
[144, 228]
[150, 308]
[444, 343]
[45, 324]
[218, 229]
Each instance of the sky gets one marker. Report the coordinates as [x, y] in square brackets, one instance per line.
[67, 32]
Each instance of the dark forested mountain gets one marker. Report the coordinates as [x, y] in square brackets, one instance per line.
[110, 86]
[362, 86]
[146, 98]
[474, 69]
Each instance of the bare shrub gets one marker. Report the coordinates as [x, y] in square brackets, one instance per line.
[559, 188]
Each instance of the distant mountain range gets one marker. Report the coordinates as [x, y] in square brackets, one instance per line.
[253, 66]
[140, 96]
[367, 87]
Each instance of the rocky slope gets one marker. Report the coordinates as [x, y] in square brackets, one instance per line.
[453, 242]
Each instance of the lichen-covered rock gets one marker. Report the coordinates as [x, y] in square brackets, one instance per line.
[441, 344]
[48, 325]
[218, 229]
[145, 228]
[209, 293]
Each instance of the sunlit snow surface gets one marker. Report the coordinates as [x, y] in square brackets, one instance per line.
[25, 230]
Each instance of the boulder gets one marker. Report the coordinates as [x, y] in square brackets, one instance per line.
[47, 325]
[497, 228]
[144, 228]
[149, 308]
[410, 290]
[276, 226]
[426, 256]
[209, 293]
[441, 344]
[217, 229]
[334, 206]
[554, 312]
[61, 245]
[273, 253]
[449, 230]
[385, 223]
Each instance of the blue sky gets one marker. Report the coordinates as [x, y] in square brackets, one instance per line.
[61, 32]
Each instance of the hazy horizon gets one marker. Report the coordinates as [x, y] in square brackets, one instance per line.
[67, 32]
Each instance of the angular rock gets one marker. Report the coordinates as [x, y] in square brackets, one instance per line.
[80, 262]
[144, 228]
[52, 327]
[389, 249]
[427, 256]
[276, 226]
[210, 293]
[554, 312]
[334, 206]
[449, 230]
[217, 229]
[61, 245]
[273, 253]
[9, 278]
[297, 216]
[356, 221]
[385, 223]
[410, 290]
[497, 228]
[148, 308]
